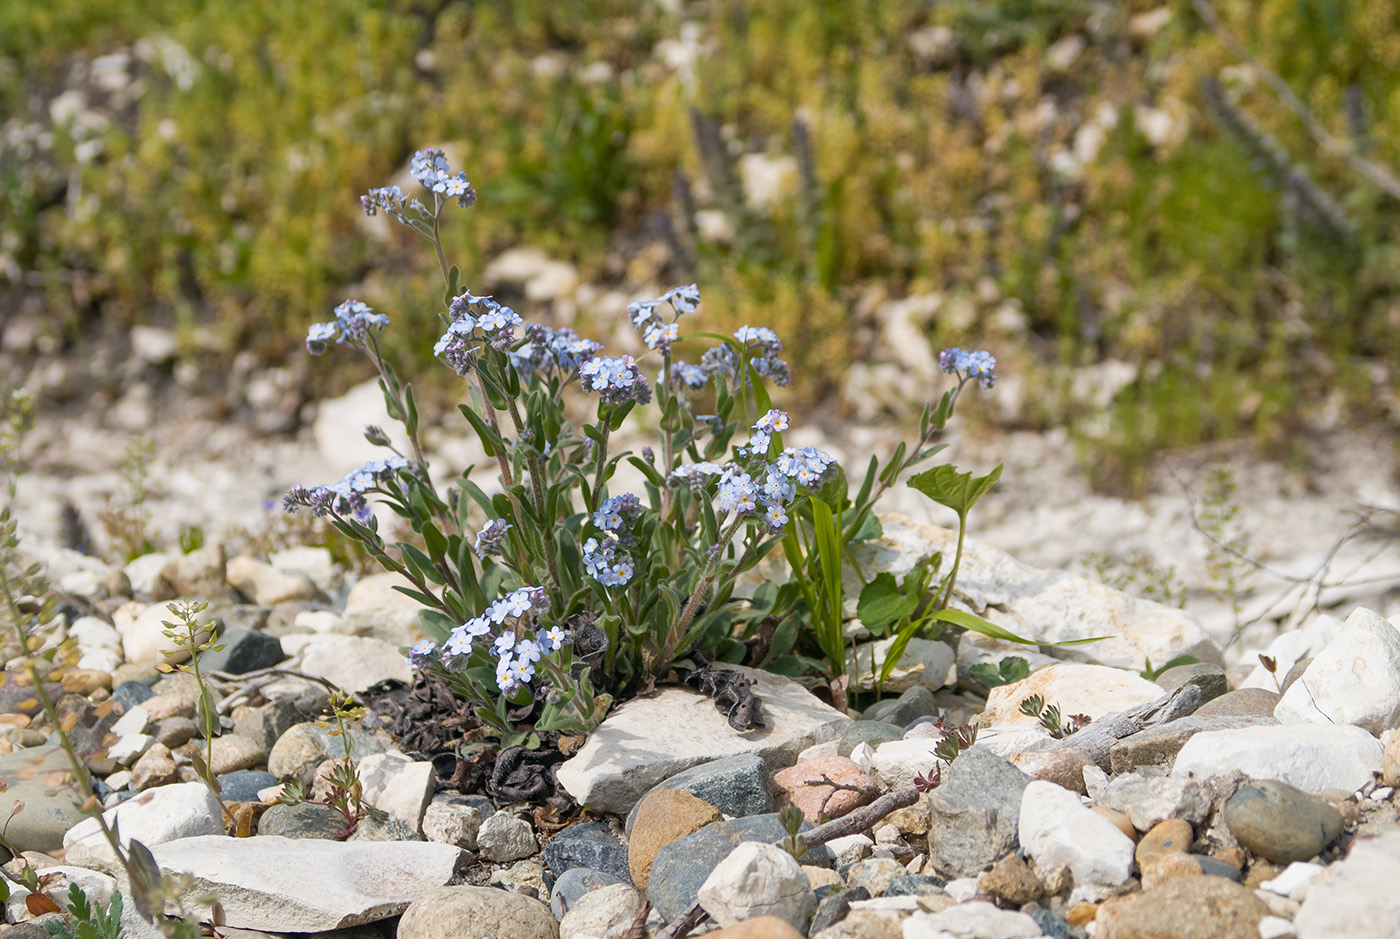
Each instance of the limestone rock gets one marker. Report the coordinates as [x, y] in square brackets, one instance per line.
[1075, 688]
[1356, 896]
[282, 885]
[1179, 908]
[168, 813]
[503, 837]
[604, 913]
[1354, 679]
[973, 815]
[400, 786]
[648, 739]
[354, 664]
[1311, 757]
[758, 880]
[1056, 828]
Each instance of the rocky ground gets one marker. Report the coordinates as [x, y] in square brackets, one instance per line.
[1217, 799]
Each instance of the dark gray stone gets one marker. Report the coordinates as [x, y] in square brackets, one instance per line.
[1281, 823]
[1055, 927]
[1208, 677]
[833, 909]
[682, 866]
[871, 732]
[243, 651]
[915, 885]
[1214, 867]
[302, 821]
[574, 883]
[1158, 746]
[1242, 702]
[974, 814]
[736, 785]
[243, 785]
[589, 845]
[915, 703]
[175, 731]
[129, 694]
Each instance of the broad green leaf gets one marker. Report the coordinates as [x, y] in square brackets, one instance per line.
[881, 602]
[958, 491]
[435, 624]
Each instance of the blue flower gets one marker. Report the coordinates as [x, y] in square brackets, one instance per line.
[347, 496]
[553, 639]
[491, 538]
[421, 653]
[604, 564]
[616, 379]
[737, 493]
[775, 517]
[979, 365]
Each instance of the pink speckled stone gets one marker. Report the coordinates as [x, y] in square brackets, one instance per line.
[792, 786]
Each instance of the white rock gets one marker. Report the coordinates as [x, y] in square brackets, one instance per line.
[145, 572]
[98, 888]
[127, 750]
[152, 818]
[1094, 690]
[134, 721]
[1312, 757]
[758, 879]
[316, 622]
[503, 837]
[308, 561]
[1149, 800]
[1056, 828]
[1355, 679]
[1275, 927]
[819, 751]
[650, 739]
[1042, 605]
[265, 585]
[556, 280]
[304, 885]
[605, 913]
[975, 920]
[1293, 881]
[339, 430]
[962, 889]
[924, 662]
[895, 763]
[1008, 741]
[449, 823]
[153, 345]
[1356, 898]
[375, 609]
[398, 785]
[354, 664]
[1291, 647]
[92, 633]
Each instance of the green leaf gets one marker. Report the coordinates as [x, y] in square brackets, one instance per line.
[882, 602]
[453, 278]
[958, 491]
[436, 624]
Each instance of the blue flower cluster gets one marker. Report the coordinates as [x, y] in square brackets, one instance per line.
[557, 350]
[616, 378]
[347, 496]
[759, 485]
[510, 619]
[760, 347]
[352, 324]
[491, 538]
[494, 323]
[979, 365]
[603, 556]
[391, 199]
[430, 168]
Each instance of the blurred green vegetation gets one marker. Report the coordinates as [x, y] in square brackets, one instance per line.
[1063, 161]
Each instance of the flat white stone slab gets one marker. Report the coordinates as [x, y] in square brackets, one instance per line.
[650, 739]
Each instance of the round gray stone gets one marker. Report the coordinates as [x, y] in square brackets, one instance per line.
[1280, 823]
[871, 732]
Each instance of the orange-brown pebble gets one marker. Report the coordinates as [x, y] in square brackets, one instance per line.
[1082, 913]
[1170, 866]
[1119, 819]
[1170, 837]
